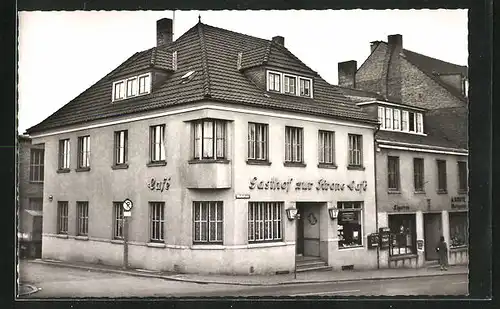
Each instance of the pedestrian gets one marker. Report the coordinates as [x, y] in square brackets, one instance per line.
[442, 250]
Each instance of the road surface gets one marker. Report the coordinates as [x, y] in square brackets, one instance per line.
[63, 282]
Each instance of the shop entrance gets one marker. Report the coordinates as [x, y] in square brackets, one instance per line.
[308, 229]
[432, 233]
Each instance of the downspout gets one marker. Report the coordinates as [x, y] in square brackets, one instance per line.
[375, 183]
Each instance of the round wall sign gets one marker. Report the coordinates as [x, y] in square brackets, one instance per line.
[127, 205]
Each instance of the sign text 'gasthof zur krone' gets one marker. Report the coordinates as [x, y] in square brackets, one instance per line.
[320, 185]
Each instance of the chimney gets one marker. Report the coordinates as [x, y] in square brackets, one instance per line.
[279, 40]
[347, 73]
[373, 45]
[164, 32]
[394, 80]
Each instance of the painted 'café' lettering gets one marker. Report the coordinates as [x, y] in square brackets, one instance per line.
[154, 184]
[322, 184]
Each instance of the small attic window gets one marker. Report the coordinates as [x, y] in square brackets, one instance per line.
[131, 87]
[187, 77]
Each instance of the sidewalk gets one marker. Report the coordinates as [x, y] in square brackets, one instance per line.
[261, 280]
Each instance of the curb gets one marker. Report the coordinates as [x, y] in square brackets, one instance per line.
[33, 289]
[172, 278]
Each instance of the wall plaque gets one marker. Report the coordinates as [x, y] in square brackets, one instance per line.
[458, 202]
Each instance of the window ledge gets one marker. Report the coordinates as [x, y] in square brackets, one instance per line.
[355, 167]
[459, 248]
[442, 192]
[208, 161]
[393, 192]
[267, 244]
[117, 241]
[403, 256]
[81, 237]
[65, 236]
[63, 170]
[215, 246]
[156, 244]
[36, 182]
[258, 162]
[352, 247]
[294, 164]
[462, 191]
[327, 165]
[419, 192]
[82, 169]
[156, 163]
[119, 166]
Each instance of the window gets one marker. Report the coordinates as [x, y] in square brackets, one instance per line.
[121, 147]
[418, 174]
[257, 141]
[355, 150]
[349, 225]
[420, 123]
[403, 235]
[441, 167]
[289, 84]
[36, 165]
[83, 151]
[381, 117]
[326, 147]
[209, 139]
[157, 221]
[388, 118]
[404, 121]
[36, 204]
[305, 87]
[62, 217]
[131, 87]
[397, 119]
[208, 222]
[82, 210]
[293, 144]
[157, 143]
[459, 234]
[411, 121]
[393, 173]
[264, 221]
[462, 176]
[64, 154]
[274, 82]
[119, 90]
[144, 84]
[117, 220]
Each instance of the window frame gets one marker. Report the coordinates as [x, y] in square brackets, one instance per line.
[351, 150]
[82, 218]
[37, 166]
[442, 181]
[217, 138]
[396, 121]
[118, 221]
[64, 161]
[381, 116]
[395, 186]
[360, 213]
[147, 84]
[388, 118]
[418, 175]
[305, 79]
[463, 181]
[405, 119]
[294, 150]
[159, 236]
[117, 149]
[297, 85]
[323, 136]
[273, 222]
[397, 237]
[289, 77]
[83, 155]
[161, 156]
[209, 222]
[452, 225]
[123, 85]
[274, 75]
[35, 201]
[256, 146]
[62, 217]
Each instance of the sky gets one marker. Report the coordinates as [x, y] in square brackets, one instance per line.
[61, 54]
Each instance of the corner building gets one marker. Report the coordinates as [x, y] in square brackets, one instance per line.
[217, 148]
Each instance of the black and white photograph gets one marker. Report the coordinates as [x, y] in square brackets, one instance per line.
[285, 153]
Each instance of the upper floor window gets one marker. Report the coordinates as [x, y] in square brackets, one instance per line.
[294, 144]
[388, 118]
[121, 145]
[441, 169]
[400, 120]
[274, 82]
[209, 139]
[326, 147]
[418, 174]
[393, 173]
[305, 87]
[36, 165]
[257, 141]
[397, 119]
[290, 82]
[355, 150]
[462, 176]
[157, 143]
[83, 151]
[64, 154]
[132, 86]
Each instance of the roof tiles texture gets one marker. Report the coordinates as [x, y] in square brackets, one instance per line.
[212, 53]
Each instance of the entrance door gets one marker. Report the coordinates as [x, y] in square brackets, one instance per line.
[308, 226]
[299, 244]
[432, 233]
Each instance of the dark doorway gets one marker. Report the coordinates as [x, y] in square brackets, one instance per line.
[432, 233]
[299, 245]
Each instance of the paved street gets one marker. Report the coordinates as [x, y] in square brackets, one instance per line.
[69, 282]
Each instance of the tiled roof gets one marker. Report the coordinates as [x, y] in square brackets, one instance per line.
[211, 52]
[359, 96]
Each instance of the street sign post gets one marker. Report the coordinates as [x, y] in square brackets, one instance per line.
[127, 207]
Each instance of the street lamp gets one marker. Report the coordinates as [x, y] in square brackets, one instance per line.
[292, 214]
[334, 213]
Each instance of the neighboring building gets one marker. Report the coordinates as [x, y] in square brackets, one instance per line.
[30, 202]
[215, 137]
[421, 156]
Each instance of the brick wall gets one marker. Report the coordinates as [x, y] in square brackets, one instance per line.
[368, 76]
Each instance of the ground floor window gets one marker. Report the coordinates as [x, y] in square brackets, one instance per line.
[118, 220]
[264, 221]
[350, 223]
[157, 220]
[459, 231]
[82, 209]
[208, 222]
[403, 234]
[62, 217]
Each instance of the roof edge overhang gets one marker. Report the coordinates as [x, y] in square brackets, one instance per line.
[392, 104]
[421, 148]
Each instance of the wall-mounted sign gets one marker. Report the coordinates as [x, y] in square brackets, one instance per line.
[373, 240]
[401, 207]
[127, 205]
[242, 196]
[420, 245]
[127, 214]
[159, 185]
[385, 234]
[320, 185]
[346, 216]
[458, 202]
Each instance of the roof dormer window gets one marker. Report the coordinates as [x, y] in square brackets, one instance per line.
[274, 82]
[289, 84]
[396, 119]
[132, 87]
[305, 87]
